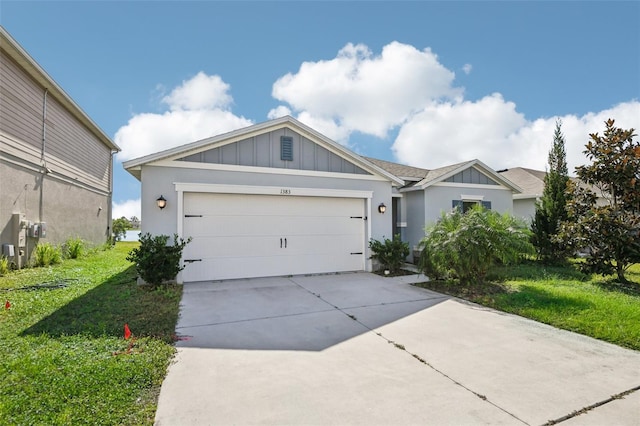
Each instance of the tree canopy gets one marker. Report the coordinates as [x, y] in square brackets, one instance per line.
[608, 229]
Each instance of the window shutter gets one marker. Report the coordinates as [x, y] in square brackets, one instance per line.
[456, 204]
[486, 205]
[286, 148]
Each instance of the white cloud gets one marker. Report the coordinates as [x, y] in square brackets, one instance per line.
[279, 111]
[200, 92]
[127, 209]
[198, 108]
[360, 91]
[493, 131]
[408, 89]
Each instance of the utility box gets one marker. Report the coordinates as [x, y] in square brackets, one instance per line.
[8, 250]
[34, 230]
[43, 229]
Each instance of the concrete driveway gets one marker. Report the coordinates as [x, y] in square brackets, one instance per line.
[357, 348]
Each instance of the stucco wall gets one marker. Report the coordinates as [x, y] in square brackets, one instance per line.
[414, 231]
[158, 181]
[68, 210]
[439, 198]
[525, 209]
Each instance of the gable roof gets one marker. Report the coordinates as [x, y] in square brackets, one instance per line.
[31, 67]
[531, 181]
[134, 166]
[441, 174]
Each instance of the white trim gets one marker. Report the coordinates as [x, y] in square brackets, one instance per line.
[526, 196]
[265, 170]
[464, 197]
[368, 263]
[285, 191]
[471, 185]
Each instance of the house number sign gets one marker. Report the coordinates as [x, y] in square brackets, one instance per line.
[285, 192]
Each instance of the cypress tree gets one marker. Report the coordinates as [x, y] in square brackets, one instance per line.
[551, 209]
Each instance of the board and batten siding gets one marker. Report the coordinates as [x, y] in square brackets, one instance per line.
[264, 151]
[70, 148]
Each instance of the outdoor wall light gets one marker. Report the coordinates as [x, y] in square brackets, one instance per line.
[382, 208]
[161, 202]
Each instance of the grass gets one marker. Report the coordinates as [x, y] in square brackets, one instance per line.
[64, 358]
[562, 297]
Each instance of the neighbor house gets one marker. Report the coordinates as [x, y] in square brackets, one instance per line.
[56, 165]
[279, 198]
[532, 184]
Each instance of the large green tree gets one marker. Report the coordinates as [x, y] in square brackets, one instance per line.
[609, 229]
[551, 209]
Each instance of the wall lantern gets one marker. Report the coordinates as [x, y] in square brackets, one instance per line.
[161, 202]
[382, 208]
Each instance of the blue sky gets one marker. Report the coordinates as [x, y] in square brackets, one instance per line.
[422, 83]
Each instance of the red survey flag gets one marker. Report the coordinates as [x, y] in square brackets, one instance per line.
[7, 305]
[127, 332]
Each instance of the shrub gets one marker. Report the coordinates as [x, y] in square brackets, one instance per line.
[466, 245]
[156, 261]
[5, 266]
[74, 248]
[390, 253]
[47, 254]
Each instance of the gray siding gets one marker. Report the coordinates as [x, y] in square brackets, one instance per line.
[67, 140]
[264, 151]
[471, 175]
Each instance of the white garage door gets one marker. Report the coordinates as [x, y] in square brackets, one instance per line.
[240, 236]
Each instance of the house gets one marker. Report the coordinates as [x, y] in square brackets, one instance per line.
[56, 164]
[427, 193]
[279, 198]
[532, 184]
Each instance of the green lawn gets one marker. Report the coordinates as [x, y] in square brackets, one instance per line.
[563, 297]
[64, 358]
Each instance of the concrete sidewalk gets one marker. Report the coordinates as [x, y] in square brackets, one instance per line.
[362, 349]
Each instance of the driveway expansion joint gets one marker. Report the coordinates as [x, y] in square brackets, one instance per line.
[586, 409]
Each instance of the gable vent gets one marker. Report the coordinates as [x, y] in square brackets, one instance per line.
[286, 148]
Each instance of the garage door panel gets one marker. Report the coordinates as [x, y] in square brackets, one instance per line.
[231, 246]
[268, 205]
[240, 236]
[211, 226]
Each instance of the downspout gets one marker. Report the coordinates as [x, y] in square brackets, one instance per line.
[44, 129]
[43, 160]
[110, 199]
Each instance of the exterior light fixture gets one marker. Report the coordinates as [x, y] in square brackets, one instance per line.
[161, 202]
[382, 208]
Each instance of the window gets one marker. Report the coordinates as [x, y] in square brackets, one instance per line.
[467, 205]
[286, 148]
